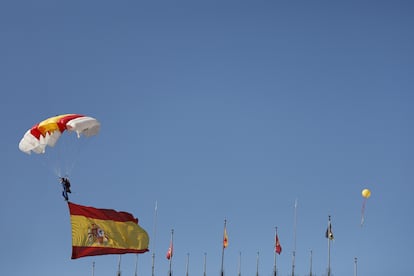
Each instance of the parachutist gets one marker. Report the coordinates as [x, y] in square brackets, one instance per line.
[66, 187]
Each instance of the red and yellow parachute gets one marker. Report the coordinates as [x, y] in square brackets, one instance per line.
[47, 132]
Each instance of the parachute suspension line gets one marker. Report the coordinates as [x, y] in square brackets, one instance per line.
[80, 145]
[47, 162]
[69, 152]
[59, 164]
[68, 149]
[56, 165]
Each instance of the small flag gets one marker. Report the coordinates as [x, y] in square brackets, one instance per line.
[278, 247]
[170, 251]
[105, 231]
[329, 234]
[225, 239]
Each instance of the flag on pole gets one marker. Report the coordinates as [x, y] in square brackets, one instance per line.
[225, 238]
[278, 247]
[170, 251]
[329, 234]
[105, 231]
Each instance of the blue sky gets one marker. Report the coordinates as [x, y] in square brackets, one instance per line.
[214, 110]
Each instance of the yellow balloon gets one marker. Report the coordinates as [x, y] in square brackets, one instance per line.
[366, 193]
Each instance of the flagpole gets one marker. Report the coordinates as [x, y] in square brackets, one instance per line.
[239, 269]
[205, 264]
[154, 234]
[329, 257]
[93, 268]
[294, 241]
[171, 255]
[329, 245]
[310, 271]
[188, 263]
[257, 264]
[363, 211]
[355, 266]
[222, 253]
[274, 263]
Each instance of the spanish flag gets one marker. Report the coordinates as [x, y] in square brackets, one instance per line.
[170, 251]
[105, 231]
[225, 238]
[329, 233]
[278, 247]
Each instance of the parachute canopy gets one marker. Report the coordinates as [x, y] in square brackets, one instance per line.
[48, 132]
[366, 193]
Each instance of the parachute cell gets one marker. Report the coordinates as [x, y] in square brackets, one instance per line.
[48, 132]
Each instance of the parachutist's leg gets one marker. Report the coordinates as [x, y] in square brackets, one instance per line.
[65, 195]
